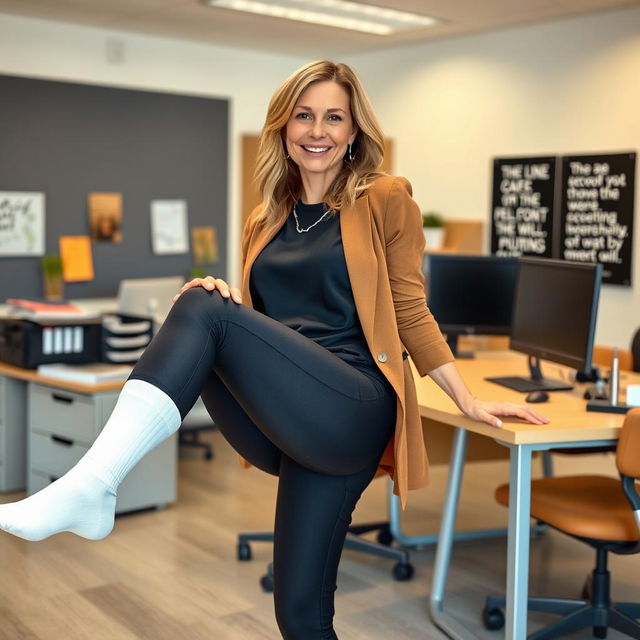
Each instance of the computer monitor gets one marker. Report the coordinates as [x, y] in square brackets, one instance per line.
[554, 318]
[148, 296]
[470, 295]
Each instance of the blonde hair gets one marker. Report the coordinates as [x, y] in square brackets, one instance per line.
[278, 179]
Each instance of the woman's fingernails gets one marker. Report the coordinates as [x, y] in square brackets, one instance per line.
[498, 423]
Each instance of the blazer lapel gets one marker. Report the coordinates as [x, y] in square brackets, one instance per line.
[357, 241]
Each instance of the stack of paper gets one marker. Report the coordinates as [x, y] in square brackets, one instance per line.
[94, 373]
[39, 310]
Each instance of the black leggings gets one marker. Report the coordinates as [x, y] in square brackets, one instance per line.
[292, 409]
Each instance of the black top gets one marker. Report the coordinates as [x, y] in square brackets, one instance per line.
[301, 280]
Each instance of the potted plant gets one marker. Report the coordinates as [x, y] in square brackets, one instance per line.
[433, 229]
[53, 283]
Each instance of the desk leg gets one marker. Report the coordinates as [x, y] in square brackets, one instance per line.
[424, 540]
[547, 464]
[518, 542]
[445, 541]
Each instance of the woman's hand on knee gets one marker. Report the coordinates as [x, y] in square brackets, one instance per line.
[210, 283]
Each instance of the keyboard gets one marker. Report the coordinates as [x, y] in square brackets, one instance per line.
[525, 385]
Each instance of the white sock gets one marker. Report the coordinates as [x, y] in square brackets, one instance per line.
[84, 499]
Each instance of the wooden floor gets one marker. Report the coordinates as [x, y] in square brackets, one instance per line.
[164, 575]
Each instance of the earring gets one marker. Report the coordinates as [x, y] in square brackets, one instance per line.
[350, 156]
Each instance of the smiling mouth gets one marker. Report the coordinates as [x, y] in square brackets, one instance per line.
[315, 150]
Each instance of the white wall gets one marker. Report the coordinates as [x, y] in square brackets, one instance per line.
[45, 49]
[569, 86]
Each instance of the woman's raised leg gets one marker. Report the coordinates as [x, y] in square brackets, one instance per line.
[317, 409]
[309, 403]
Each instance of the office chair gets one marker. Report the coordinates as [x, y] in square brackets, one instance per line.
[635, 350]
[403, 570]
[602, 512]
[629, 359]
[603, 356]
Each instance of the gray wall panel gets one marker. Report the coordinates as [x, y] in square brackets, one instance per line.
[68, 140]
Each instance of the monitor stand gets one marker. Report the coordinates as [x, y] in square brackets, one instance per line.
[452, 341]
[535, 382]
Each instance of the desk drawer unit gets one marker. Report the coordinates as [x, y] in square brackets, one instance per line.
[13, 434]
[67, 414]
[63, 425]
[53, 455]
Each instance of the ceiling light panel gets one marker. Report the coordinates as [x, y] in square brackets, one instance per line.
[342, 14]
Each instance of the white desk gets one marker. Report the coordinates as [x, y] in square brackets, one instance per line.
[571, 425]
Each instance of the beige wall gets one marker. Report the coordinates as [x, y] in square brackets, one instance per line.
[569, 86]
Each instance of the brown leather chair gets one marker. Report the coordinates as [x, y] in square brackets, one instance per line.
[602, 512]
[603, 356]
[635, 350]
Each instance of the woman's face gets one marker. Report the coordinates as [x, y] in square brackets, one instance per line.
[320, 128]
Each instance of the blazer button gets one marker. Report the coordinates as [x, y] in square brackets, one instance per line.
[382, 357]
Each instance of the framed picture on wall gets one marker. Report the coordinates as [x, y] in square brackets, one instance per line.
[169, 229]
[105, 217]
[21, 223]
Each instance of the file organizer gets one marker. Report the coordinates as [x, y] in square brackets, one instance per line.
[28, 343]
[114, 338]
[124, 337]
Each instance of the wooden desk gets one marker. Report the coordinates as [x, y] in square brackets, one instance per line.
[32, 375]
[570, 425]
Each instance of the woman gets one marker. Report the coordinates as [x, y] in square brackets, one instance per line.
[304, 369]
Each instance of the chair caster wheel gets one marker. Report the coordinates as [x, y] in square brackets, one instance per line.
[403, 571]
[493, 619]
[384, 537]
[244, 552]
[599, 632]
[266, 582]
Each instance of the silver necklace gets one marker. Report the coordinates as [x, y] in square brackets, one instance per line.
[320, 219]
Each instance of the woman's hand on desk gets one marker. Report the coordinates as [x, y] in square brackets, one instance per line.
[210, 283]
[489, 411]
[448, 378]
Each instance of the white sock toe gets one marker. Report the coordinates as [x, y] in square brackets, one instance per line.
[84, 499]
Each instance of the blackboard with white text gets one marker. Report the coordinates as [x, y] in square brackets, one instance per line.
[522, 206]
[596, 212]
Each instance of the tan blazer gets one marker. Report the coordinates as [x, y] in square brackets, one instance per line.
[383, 246]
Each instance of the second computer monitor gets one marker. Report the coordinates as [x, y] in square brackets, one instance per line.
[554, 318]
[471, 294]
[555, 311]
